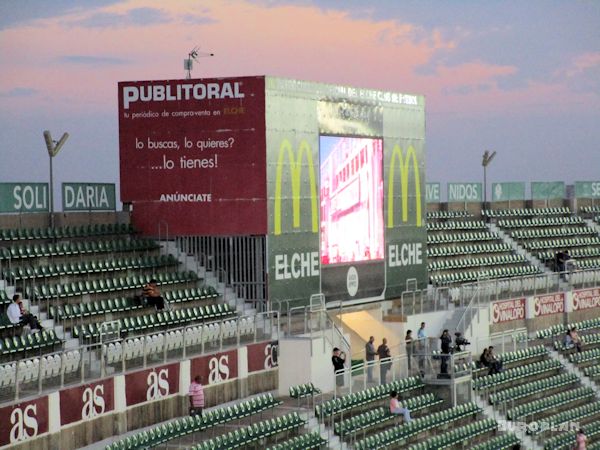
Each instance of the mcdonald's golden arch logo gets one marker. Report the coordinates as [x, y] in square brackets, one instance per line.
[295, 170]
[403, 165]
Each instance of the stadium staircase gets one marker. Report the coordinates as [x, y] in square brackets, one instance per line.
[594, 224]
[517, 248]
[192, 263]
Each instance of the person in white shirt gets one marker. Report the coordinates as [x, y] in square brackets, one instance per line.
[397, 408]
[18, 315]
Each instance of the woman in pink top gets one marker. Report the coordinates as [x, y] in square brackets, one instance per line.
[196, 395]
[580, 440]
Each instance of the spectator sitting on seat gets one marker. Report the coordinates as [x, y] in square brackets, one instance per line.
[483, 359]
[495, 364]
[576, 340]
[396, 407]
[568, 340]
[17, 314]
[558, 261]
[152, 295]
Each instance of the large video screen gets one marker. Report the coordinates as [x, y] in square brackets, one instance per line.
[351, 199]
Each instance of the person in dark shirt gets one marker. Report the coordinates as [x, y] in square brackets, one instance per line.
[338, 360]
[446, 341]
[384, 360]
[152, 295]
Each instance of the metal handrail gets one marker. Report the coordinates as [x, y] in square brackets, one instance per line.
[85, 350]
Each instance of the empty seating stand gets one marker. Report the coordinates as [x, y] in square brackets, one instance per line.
[464, 250]
[161, 319]
[381, 416]
[243, 437]
[74, 289]
[543, 231]
[24, 234]
[19, 346]
[303, 442]
[457, 435]
[397, 437]
[307, 390]
[220, 416]
[22, 273]
[374, 394]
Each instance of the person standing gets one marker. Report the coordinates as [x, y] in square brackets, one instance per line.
[338, 360]
[422, 334]
[19, 316]
[196, 394]
[446, 341]
[408, 340]
[370, 358]
[383, 351]
[421, 347]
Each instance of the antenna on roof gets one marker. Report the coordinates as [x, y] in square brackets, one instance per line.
[193, 55]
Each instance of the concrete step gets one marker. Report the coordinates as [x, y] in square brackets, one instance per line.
[71, 343]
[60, 331]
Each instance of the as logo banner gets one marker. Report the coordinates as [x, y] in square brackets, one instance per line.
[215, 368]
[262, 356]
[152, 384]
[23, 421]
[87, 401]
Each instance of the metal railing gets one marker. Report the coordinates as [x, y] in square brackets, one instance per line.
[421, 359]
[438, 298]
[243, 258]
[33, 375]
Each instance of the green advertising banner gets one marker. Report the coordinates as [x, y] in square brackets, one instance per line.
[587, 189]
[346, 192]
[504, 192]
[88, 197]
[547, 190]
[24, 197]
[432, 192]
[465, 192]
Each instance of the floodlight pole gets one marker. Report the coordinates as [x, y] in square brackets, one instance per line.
[51, 196]
[53, 148]
[487, 159]
[484, 187]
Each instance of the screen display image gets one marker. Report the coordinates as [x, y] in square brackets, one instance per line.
[351, 199]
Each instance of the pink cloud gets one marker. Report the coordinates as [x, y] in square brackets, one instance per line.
[248, 39]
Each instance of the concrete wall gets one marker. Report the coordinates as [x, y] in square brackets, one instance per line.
[123, 418]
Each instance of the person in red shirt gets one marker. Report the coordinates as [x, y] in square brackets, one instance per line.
[196, 395]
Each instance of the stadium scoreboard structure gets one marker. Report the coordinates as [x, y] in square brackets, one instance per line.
[333, 176]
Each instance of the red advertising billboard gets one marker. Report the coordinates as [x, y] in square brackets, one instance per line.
[151, 384]
[215, 368]
[87, 401]
[192, 155]
[508, 310]
[545, 305]
[586, 299]
[23, 421]
[262, 356]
